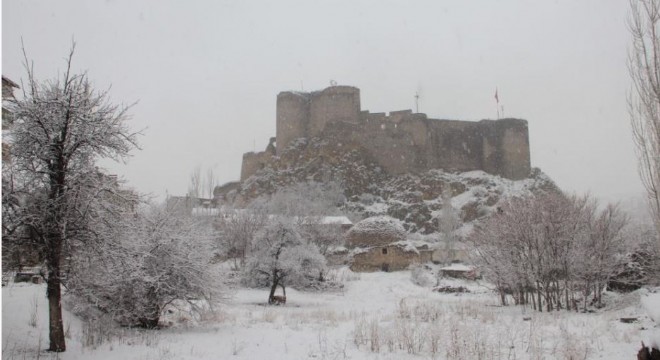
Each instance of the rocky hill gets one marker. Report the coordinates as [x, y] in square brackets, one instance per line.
[415, 199]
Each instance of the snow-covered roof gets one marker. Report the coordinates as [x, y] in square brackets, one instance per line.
[458, 267]
[229, 213]
[379, 224]
[338, 220]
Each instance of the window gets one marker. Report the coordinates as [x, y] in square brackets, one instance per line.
[384, 251]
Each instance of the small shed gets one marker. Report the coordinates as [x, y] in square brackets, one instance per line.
[460, 271]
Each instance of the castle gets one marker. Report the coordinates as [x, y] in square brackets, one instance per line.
[401, 141]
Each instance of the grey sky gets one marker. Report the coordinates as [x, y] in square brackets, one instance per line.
[206, 73]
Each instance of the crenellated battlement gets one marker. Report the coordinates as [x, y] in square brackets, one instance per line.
[401, 141]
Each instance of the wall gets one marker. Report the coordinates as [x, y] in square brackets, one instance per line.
[413, 143]
[336, 103]
[252, 162]
[402, 141]
[292, 118]
[506, 148]
[396, 259]
[306, 114]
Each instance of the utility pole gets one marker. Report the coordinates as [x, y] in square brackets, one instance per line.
[417, 102]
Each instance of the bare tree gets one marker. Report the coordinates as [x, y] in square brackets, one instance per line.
[237, 229]
[210, 183]
[549, 250]
[195, 186]
[594, 258]
[644, 100]
[60, 128]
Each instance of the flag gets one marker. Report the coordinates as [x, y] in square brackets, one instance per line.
[496, 97]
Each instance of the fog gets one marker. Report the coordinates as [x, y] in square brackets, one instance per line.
[205, 74]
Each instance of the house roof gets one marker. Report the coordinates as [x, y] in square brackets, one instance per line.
[457, 267]
[7, 81]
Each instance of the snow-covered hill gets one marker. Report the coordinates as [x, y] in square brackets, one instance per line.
[415, 199]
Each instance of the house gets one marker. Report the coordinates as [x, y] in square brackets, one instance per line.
[379, 244]
[391, 257]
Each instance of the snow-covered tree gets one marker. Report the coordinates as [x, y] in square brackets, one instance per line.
[308, 199]
[237, 229]
[644, 100]
[148, 260]
[280, 257]
[549, 249]
[595, 259]
[61, 127]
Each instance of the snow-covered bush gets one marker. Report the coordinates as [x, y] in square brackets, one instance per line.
[422, 276]
[280, 257]
[304, 199]
[147, 261]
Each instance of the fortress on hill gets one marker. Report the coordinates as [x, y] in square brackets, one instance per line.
[401, 141]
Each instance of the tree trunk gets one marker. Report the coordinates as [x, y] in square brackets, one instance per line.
[54, 243]
[273, 287]
[54, 294]
[152, 311]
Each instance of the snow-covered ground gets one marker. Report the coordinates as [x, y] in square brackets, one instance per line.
[375, 316]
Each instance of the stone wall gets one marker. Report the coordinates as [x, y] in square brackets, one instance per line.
[388, 258]
[306, 114]
[252, 162]
[401, 141]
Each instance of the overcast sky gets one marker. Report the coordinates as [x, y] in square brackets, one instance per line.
[206, 73]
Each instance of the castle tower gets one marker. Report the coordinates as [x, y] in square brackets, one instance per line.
[306, 114]
[506, 148]
[292, 118]
[336, 103]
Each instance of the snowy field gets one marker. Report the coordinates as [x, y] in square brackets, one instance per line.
[375, 316]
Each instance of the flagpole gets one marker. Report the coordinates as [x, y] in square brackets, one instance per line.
[497, 104]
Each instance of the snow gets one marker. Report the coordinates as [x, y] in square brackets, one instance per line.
[328, 325]
[335, 220]
[383, 225]
[376, 208]
[458, 267]
[205, 211]
[651, 303]
[407, 246]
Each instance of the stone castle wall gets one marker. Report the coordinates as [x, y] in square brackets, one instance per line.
[402, 141]
[307, 114]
